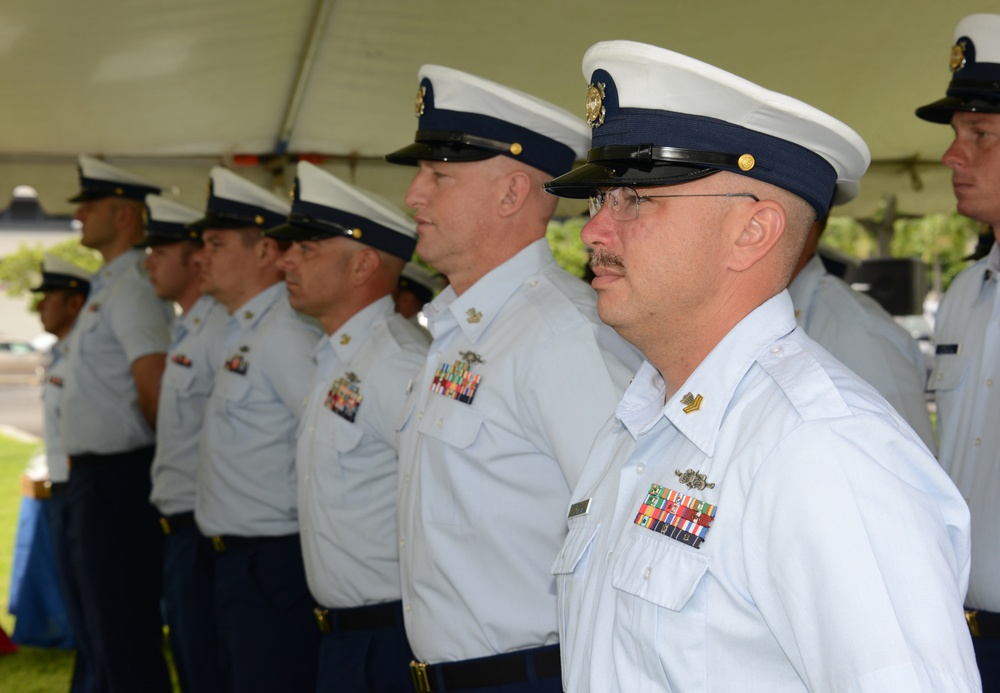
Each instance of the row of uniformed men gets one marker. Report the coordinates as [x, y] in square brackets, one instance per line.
[299, 515]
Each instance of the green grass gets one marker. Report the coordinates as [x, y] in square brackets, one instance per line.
[30, 669]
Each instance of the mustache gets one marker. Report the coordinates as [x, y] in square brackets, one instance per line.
[601, 257]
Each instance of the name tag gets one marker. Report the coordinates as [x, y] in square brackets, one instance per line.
[947, 348]
[577, 509]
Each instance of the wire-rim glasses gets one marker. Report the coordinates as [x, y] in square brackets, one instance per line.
[624, 202]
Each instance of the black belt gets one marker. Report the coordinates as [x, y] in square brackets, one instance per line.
[359, 618]
[230, 542]
[58, 488]
[90, 459]
[983, 624]
[175, 523]
[498, 670]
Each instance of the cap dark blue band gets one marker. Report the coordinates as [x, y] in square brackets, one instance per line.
[463, 130]
[311, 221]
[97, 188]
[225, 213]
[56, 281]
[779, 162]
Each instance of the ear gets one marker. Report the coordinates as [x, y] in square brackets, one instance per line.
[517, 186]
[364, 264]
[760, 229]
[267, 251]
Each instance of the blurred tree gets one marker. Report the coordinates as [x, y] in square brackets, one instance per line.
[22, 269]
[563, 236]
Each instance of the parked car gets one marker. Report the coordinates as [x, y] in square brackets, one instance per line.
[21, 362]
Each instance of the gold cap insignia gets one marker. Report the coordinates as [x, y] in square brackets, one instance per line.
[516, 148]
[345, 339]
[119, 191]
[258, 219]
[957, 61]
[595, 104]
[193, 234]
[354, 233]
[419, 105]
[474, 316]
[691, 403]
[746, 162]
[693, 479]
[72, 283]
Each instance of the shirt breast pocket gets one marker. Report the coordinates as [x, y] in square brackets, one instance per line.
[661, 589]
[454, 475]
[347, 470]
[949, 373]
[570, 567]
[186, 389]
[235, 392]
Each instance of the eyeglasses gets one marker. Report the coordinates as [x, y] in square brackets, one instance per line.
[623, 203]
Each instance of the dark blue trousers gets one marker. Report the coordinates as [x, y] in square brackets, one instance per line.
[189, 600]
[264, 610]
[116, 551]
[85, 678]
[988, 658]
[373, 660]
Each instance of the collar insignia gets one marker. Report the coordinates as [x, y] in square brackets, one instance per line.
[345, 339]
[691, 403]
[474, 316]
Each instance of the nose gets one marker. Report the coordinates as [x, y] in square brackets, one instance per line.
[286, 261]
[955, 156]
[597, 231]
[416, 194]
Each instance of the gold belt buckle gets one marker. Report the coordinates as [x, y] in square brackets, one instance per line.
[972, 618]
[165, 525]
[218, 544]
[322, 620]
[418, 671]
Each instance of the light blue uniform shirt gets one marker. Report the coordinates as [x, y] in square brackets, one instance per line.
[121, 321]
[484, 485]
[831, 552]
[55, 379]
[246, 468]
[347, 459]
[861, 335]
[195, 353]
[966, 384]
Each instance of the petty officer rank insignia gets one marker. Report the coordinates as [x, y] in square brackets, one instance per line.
[457, 381]
[676, 515]
[345, 397]
[237, 364]
[181, 360]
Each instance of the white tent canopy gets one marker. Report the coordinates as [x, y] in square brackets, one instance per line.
[171, 87]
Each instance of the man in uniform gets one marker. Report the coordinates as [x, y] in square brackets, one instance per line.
[859, 332]
[519, 376]
[246, 485]
[348, 248]
[188, 558]
[416, 288]
[115, 359]
[755, 517]
[64, 287]
[967, 327]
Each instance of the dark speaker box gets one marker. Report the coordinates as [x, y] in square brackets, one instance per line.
[898, 284]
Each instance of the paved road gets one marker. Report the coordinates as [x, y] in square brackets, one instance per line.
[21, 408]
